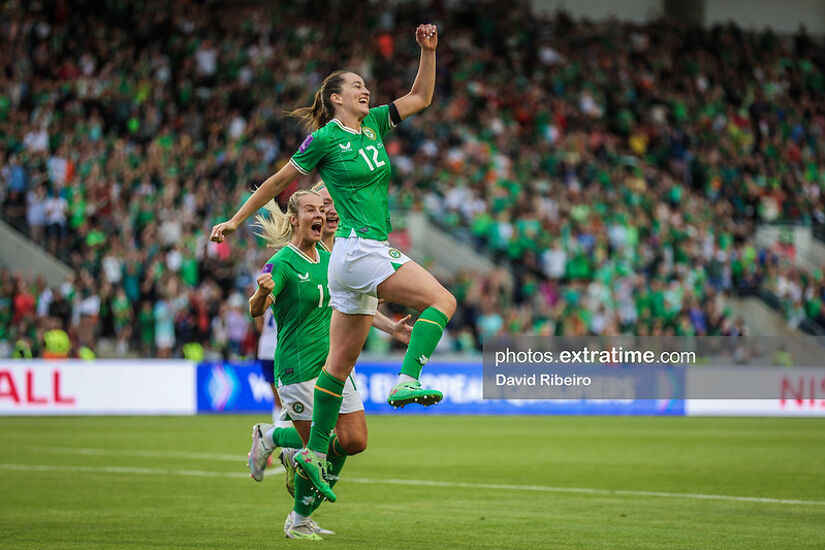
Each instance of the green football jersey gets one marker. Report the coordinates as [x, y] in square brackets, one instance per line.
[356, 169]
[302, 313]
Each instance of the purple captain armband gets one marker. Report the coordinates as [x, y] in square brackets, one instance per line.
[267, 268]
[305, 144]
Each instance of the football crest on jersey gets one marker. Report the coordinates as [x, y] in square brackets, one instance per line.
[298, 407]
[394, 253]
[369, 132]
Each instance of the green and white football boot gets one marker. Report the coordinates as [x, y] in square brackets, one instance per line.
[412, 392]
[315, 470]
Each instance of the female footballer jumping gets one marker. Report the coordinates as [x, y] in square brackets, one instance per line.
[346, 146]
[293, 284]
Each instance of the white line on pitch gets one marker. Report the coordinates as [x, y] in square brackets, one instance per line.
[414, 482]
[581, 490]
[134, 452]
[130, 470]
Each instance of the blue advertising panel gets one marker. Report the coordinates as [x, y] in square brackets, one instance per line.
[241, 388]
[232, 388]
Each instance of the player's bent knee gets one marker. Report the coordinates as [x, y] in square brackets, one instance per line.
[352, 441]
[354, 445]
[343, 365]
[446, 303]
[340, 363]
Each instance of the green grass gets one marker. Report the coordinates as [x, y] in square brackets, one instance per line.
[55, 491]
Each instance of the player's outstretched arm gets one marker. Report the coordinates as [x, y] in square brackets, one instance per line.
[421, 94]
[268, 190]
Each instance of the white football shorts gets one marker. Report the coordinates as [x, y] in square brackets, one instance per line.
[356, 268]
[297, 399]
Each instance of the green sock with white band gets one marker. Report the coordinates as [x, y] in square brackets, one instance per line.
[426, 334]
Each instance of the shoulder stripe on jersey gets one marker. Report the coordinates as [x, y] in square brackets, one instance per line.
[345, 128]
[301, 170]
[307, 258]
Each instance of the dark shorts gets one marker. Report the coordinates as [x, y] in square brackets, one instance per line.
[268, 368]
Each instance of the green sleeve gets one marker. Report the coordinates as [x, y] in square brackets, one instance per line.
[278, 272]
[311, 152]
[381, 118]
[279, 278]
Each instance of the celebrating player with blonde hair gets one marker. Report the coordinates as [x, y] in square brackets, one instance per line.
[293, 285]
[346, 147]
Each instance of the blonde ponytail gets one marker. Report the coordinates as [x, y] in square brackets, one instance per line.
[276, 229]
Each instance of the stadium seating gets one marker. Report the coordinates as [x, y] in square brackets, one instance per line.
[617, 171]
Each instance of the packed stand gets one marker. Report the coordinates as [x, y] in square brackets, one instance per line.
[616, 170]
[628, 165]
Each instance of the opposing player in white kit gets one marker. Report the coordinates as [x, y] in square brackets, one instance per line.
[267, 340]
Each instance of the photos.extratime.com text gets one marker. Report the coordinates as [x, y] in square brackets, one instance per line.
[610, 356]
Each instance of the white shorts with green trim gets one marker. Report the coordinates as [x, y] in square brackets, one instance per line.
[297, 399]
[356, 268]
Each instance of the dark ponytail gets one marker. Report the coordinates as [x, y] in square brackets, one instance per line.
[322, 110]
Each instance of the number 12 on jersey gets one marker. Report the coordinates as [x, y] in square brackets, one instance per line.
[375, 160]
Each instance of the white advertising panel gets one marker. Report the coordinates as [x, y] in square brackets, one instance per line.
[754, 407]
[74, 387]
[793, 391]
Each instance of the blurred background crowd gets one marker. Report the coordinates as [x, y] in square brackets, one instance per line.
[615, 173]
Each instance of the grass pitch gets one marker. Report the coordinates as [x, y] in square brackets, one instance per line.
[424, 482]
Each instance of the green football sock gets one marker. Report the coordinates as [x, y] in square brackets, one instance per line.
[336, 456]
[306, 496]
[325, 408]
[426, 333]
[287, 437]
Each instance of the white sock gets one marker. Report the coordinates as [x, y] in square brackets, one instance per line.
[404, 378]
[268, 441]
[298, 519]
[276, 414]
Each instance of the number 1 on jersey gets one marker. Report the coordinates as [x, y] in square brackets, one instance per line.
[374, 158]
[321, 297]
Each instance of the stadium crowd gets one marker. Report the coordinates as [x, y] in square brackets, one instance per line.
[615, 172]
